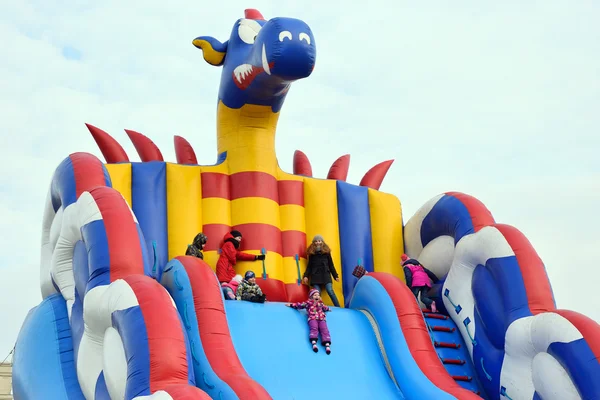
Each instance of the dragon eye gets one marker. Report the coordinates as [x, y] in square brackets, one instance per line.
[248, 30]
[304, 36]
[285, 34]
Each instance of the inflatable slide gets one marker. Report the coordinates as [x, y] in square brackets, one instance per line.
[127, 315]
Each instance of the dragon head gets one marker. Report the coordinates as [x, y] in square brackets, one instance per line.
[261, 59]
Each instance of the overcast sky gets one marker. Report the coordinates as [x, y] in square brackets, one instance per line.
[499, 100]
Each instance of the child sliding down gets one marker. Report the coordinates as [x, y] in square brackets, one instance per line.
[316, 319]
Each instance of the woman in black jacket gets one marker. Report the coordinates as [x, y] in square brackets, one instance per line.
[320, 268]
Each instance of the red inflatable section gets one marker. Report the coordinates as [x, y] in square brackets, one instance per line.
[276, 290]
[417, 337]
[214, 331]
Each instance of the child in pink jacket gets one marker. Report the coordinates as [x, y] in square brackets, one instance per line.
[419, 279]
[230, 288]
[316, 319]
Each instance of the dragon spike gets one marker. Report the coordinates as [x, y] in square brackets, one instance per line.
[145, 147]
[109, 147]
[251, 13]
[375, 175]
[184, 151]
[301, 164]
[339, 169]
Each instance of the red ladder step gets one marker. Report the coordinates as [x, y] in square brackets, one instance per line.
[435, 316]
[443, 328]
[450, 345]
[455, 361]
[463, 378]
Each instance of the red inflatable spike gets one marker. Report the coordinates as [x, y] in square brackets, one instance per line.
[251, 13]
[339, 169]
[184, 151]
[375, 175]
[145, 147]
[301, 164]
[109, 147]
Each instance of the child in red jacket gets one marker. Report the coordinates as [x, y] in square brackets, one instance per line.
[229, 256]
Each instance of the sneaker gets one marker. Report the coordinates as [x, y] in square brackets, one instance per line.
[327, 350]
[433, 307]
[315, 348]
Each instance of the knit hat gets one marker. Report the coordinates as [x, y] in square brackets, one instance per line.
[249, 275]
[404, 257]
[236, 233]
[318, 237]
[312, 292]
[237, 278]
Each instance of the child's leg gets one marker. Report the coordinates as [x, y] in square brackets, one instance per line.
[415, 290]
[332, 296]
[228, 292]
[313, 334]
[325, 336]
[424, 297]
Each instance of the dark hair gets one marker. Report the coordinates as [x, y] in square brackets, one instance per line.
[312, 249]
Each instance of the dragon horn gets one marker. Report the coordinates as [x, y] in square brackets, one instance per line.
[301, 164]
[251, 13]
[145, 147]
[109, 147]
[184, 151]
[375, 175]
[339, 169]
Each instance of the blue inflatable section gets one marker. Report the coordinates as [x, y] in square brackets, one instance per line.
[449, 216]
[43, 363]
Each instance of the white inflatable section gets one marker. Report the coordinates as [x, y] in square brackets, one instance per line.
[437, 255]
[471, 250]
[412, 229]
[98, 305]
[50, 223]
[158, 395]
[527, 366]
[75, 216]
[114, 364]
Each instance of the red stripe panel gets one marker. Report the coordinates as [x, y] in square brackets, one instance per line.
[166, 342]
[257, 236]
[589, 328]
[215, 233]
[480, 215]
[88, 172]
[215, 185]
[417, 336]
[294, 242]
[124, 247]
[186, 392]
[214, 331]
[291, 192]
[537, 284]
[254, 184]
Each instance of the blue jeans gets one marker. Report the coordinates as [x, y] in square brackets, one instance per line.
[330, 292]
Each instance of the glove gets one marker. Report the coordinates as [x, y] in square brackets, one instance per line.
[260, 257]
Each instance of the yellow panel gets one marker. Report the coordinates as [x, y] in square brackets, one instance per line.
[292, 218]
[386, 231]
[290, 270]
[120, 176]
[184, 213]
[211, 257]
[320, 204]
[273, 263]
[248, 210]
[222, 168]
[216, 211]
[284, 176]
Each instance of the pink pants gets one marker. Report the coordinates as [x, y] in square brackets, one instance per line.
[316, 327]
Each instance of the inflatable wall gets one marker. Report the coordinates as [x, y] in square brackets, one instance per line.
[127, 315]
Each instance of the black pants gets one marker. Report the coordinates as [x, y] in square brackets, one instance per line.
[424, 297]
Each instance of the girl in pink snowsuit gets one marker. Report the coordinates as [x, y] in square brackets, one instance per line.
[419, 279]
[316, 319]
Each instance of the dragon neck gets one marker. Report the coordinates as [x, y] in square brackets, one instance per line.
[247, 135]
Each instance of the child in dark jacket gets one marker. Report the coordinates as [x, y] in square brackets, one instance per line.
[195, 249]
[248, 290]
[316, 320]
[320, 268]
[230, 255]
[419, 279]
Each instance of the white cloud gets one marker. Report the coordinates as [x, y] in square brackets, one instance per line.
[496, 100]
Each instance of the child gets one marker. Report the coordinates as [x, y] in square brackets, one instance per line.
[320, 268]
[229, 256]
[248, 290]
[230, 288]
[195, 249]
[316, 319]
[419, 279]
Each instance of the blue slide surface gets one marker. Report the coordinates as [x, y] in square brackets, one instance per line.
[272, 343]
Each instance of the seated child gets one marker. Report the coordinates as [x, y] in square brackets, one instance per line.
[316, 319]
[248, 290]
[419, 279]
[230, 288]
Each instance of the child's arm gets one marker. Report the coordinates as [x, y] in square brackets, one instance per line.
[240, 291]
[308, 271]
[431, 275]
[297, 306]
[326, 308]
[332, 267]
[408, 276]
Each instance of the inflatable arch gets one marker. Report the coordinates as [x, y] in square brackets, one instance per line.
[127, 315]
